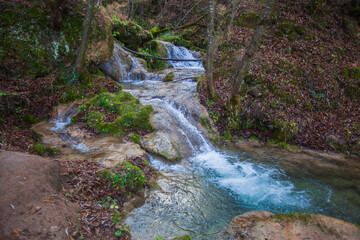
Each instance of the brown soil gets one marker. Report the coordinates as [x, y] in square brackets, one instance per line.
[31, 206]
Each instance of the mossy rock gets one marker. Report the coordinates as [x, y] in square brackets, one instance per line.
[176, 40]
[249, 20]
[131, 34]
[169, 77]
[34, 47]
[157, 49]
[185, 237]
[44, 150]
[136, 138]
[290, 31]
[285, 131]
[128, 112]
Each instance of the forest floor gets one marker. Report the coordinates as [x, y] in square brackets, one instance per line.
[312, 80]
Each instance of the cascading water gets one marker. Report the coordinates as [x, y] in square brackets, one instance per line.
[175, 52]
[60, 124]
[199, 195]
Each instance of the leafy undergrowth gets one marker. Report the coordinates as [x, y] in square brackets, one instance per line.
[305, 76]
[102, 193]
[115, 114]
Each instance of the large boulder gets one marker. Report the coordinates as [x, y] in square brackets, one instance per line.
[160, 144]
[131, 34]
[266, 225]
[101, 50]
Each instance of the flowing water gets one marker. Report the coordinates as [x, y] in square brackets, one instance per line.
[199, 195]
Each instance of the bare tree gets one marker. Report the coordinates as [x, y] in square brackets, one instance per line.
[232, 15]
[56, 7]
[250, 51]
[210, 85]
[131, 9]
[85, 36]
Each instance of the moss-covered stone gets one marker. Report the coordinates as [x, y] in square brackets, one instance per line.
[157, 49]
[290, 31]
[249, 20]
[285, 131]
[136, 138]
[169, 77]
[34, 48]
[131, 34]
[114, 113]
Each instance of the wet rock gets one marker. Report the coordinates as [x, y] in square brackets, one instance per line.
[160, 144]
[266, 225]
[169, 77]
[122, 65]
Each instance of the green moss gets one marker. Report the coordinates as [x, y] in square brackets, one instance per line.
[176, 40]
[44, 150]
[131, 34]
[135, 138]
[254, 138]
[105, 173]
[286, 28]
[285, 131]
[227, 135]
[249, 20]
[30, 119]
[292, 32]
[185, 237]
[169, 77]
[205, 121]
[130, 113]
[156, 49]
[352, 91]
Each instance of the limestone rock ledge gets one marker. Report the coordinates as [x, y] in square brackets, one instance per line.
[266, 225]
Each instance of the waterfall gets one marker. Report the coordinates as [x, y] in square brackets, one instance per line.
[60, 124]
[176, 52]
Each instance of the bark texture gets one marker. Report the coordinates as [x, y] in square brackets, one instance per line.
[85, 36]
[210, 85]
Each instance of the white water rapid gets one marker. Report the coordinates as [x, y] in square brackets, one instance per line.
[199, 195]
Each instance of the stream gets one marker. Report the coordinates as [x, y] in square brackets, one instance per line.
[211, 184]
[202, 193]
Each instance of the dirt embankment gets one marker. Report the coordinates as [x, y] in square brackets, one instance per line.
[31, 206]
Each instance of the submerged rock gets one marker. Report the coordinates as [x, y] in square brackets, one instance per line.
[266, 225]
[160, 144]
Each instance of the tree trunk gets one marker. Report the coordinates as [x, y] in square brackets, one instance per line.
[250, 51]
[233, 10]
[55, 13]
[210, 85]
[85, 36]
